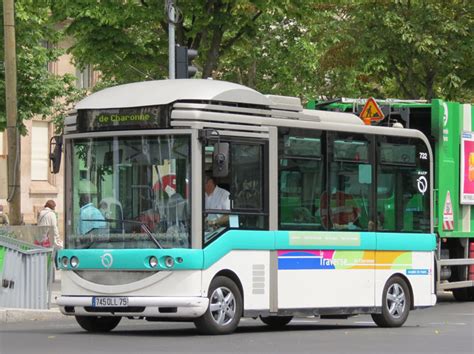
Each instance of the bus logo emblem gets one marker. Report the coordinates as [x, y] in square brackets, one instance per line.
[107, 260]
[422, 184]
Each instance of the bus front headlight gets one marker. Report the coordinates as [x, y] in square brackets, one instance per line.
[153, 262]
[169, 262]
[74, 262]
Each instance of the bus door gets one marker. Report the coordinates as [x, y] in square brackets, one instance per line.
[329, 261]
[235, 168]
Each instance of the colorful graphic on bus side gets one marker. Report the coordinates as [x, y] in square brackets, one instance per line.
[332, 259]
[467, 168]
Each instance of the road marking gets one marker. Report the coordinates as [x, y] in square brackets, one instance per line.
[304, 321]
[365, 322]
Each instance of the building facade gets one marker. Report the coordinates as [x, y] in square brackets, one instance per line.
[38, 184]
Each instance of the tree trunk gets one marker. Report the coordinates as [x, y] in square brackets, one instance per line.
[430, 78]
[252, 74]
[212, 57]
[13, 135]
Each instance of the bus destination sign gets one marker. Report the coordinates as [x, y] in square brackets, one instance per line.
[108, 119]
[155, 117]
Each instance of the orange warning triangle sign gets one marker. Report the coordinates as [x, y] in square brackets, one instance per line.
[371, 111]
[448, 217]
[448, 206]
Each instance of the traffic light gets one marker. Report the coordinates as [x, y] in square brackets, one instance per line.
[183, 62]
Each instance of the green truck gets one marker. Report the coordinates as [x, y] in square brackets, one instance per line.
[450, 128]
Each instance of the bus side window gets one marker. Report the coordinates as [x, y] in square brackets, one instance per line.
[301, 179]
[350, 183]
[403, 193]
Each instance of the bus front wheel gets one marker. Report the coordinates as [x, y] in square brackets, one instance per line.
[396, 304]
[98, 324]
[225, 308]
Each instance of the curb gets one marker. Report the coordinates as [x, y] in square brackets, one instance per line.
[11, 315]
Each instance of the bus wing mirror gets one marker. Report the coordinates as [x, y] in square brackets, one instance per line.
[220, 160]
[55, 152]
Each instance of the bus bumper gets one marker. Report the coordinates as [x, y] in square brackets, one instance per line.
[142, 306]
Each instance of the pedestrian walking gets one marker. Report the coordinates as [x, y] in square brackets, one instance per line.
[47, 217]
[3, 217]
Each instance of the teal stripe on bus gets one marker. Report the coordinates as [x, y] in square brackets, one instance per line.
[238, 240]
[133, 259]
[388, 241]
[324, 240]
[188, 259]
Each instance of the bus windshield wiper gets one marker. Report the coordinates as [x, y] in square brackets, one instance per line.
[143, 226]
[150, 234]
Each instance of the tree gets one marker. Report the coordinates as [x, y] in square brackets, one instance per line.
[39, 91]
[405, 48]
[128, 41]
[286, 54]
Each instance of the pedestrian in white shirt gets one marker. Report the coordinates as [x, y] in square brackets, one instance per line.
[47, 217]
[3, 217]
[216, 199]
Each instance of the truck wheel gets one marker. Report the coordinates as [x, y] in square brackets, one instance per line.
[396, 304]
[98, 324]
[225, 308]
[464, 294]
[276, 321]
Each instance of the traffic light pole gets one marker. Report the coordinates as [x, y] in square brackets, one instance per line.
[170, 12]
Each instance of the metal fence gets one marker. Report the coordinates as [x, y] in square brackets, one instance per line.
[28, 233]
[26, 273]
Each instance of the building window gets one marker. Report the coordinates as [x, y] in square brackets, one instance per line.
[48, 46]
[2, 144]
[84, 77]
[39, 151]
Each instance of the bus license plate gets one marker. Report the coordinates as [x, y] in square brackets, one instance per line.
[107, 301]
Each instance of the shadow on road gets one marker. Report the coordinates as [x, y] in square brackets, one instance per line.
[242, 329]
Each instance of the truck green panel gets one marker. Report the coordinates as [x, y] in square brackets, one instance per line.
[447, 127]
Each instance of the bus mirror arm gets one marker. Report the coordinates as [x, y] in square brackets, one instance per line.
[220, 157]
[55, 153]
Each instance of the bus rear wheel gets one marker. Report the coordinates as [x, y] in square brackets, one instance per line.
[396, 304]
[276, 321]
[225, 308]
[97, 324]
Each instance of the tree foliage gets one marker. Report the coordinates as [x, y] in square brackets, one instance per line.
[39, 92]
[408, 48]
[402, 48]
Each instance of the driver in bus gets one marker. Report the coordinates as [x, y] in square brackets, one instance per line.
[216, 198]
[90, 218]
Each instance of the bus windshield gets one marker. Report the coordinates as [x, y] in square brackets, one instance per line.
[129, 192]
